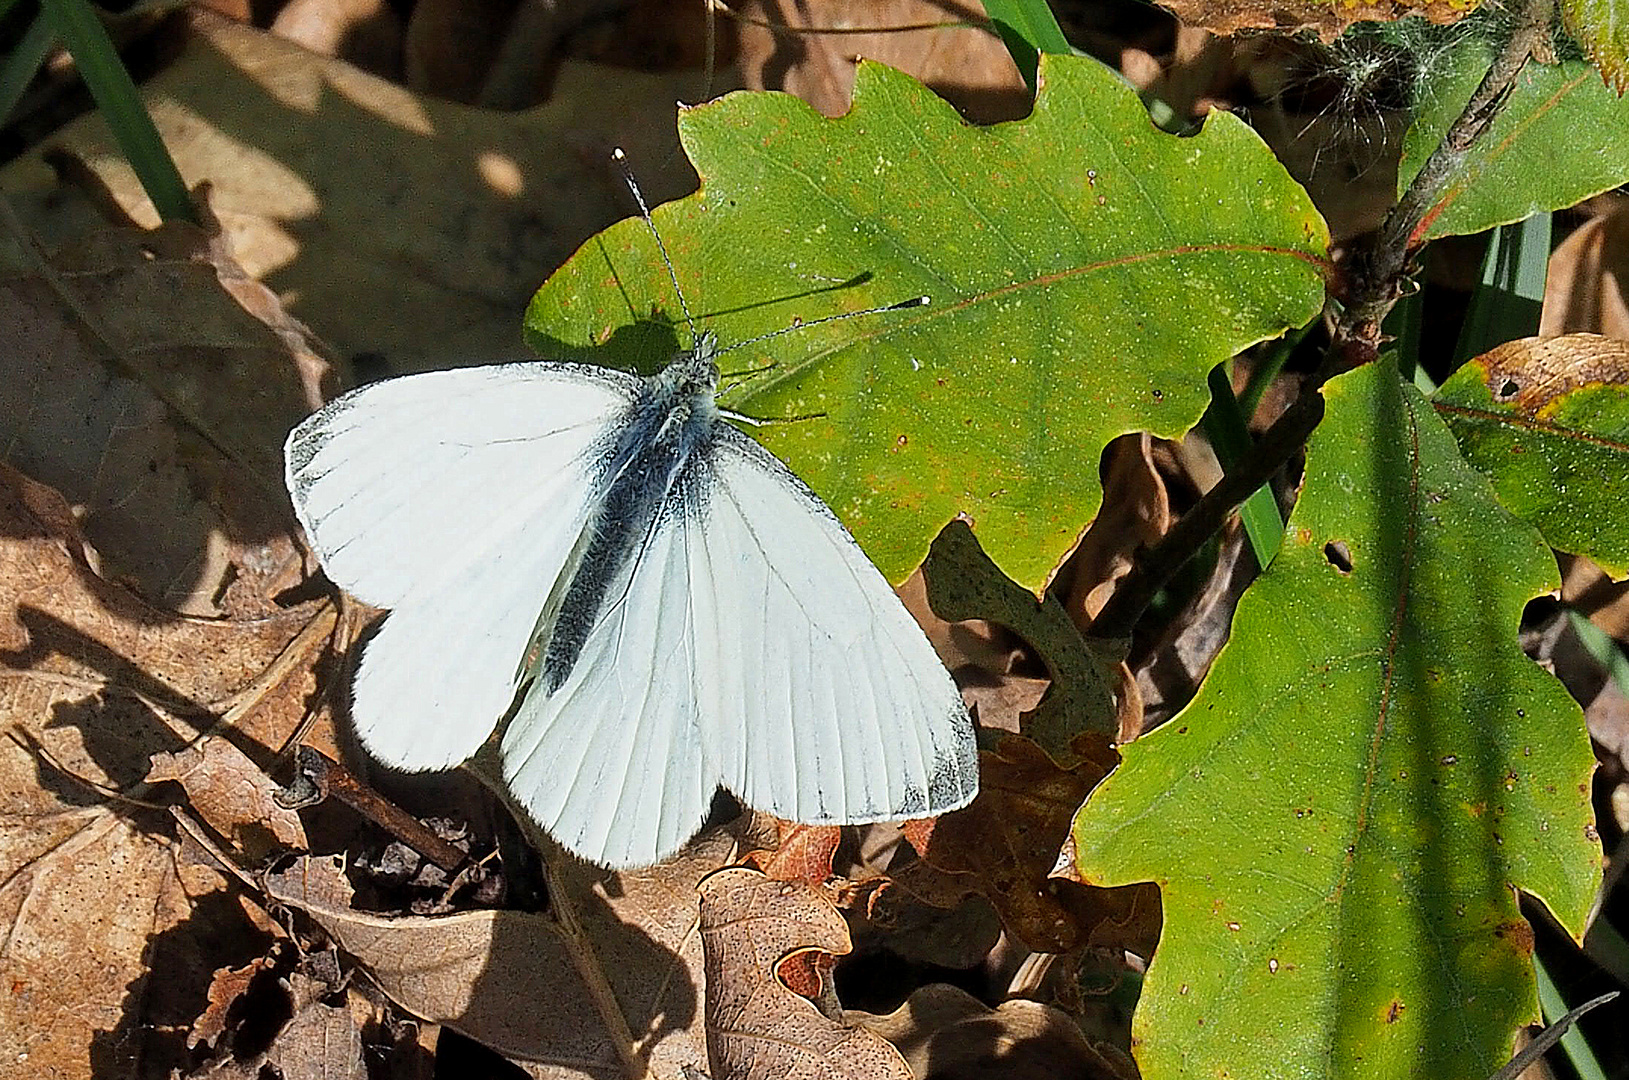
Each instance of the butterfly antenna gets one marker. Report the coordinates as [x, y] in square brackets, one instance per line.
[913, 302]
[644, 211]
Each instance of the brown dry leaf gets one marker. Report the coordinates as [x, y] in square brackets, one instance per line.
[1584, 287]
[321, 1041]
[506, 978]
[967, 65]
[391, 224]
[909, 927]
[93, 682]
[99, 681]
[311, 883]
[110, 939]
[756, 1027]
[804, 852]
[233, 796]
[1005, 845]
[948, 1034]
[225, 988]
[1328, 18]
[145, 378]
[1136, 512]
[321, 1037]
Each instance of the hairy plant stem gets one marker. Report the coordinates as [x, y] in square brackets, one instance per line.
[1379, 272]
[1375, 279]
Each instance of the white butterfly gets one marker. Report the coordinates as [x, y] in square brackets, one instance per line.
[656, 603]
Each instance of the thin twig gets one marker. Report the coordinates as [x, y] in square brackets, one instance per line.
[1161, 562]
[587, 963]
[1381, 270]
[1375, 282]
[1548, 1038]
[329, 777]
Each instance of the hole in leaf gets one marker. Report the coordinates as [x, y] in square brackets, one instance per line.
[1339, 555]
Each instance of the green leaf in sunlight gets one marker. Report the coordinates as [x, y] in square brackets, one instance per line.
[1028, 28]
[1602, 28]
[1085, 269]
[1339, 819]
[1561, 137]
[1547, 419]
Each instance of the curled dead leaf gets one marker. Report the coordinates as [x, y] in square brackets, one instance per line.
[233, 795]
[757, 1028]
[1005, 845]
[509, 979]
[1586, 284]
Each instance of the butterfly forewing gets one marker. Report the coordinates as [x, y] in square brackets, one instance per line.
[455, 498]
[407, 481]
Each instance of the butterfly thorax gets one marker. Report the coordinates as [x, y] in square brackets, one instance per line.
[652, 464]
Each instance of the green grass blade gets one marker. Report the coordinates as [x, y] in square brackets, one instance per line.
[1274, 355]
[1573, 1043]
[110, 84]
[1505, 305]
[1603, 647]
[1229, 434]
[1405, 325]
[1028, 28]
[19, 66]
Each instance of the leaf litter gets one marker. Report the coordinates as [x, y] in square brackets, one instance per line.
[220, 959]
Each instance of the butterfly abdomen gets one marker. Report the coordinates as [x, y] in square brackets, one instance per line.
[652, 470]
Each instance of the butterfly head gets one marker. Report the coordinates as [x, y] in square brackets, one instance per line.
[694, 371]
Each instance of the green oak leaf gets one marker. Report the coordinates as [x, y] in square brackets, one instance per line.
[1561, 137]
[1085, 271]
[1547, 420]
[1602, 28]
[1338, 820]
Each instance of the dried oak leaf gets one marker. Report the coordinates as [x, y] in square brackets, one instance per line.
[1328, 18]
[946, 1033]
[148, 380]
[93, 683]
[1586, 286]
[782, 48]
[352, 189]
[1006, 843]
[508, 979]
[804, 852]
[233, 796]
[321, 1039]
[757, 1028]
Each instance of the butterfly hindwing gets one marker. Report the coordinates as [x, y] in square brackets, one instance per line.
[612, 763]
[828, 704]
